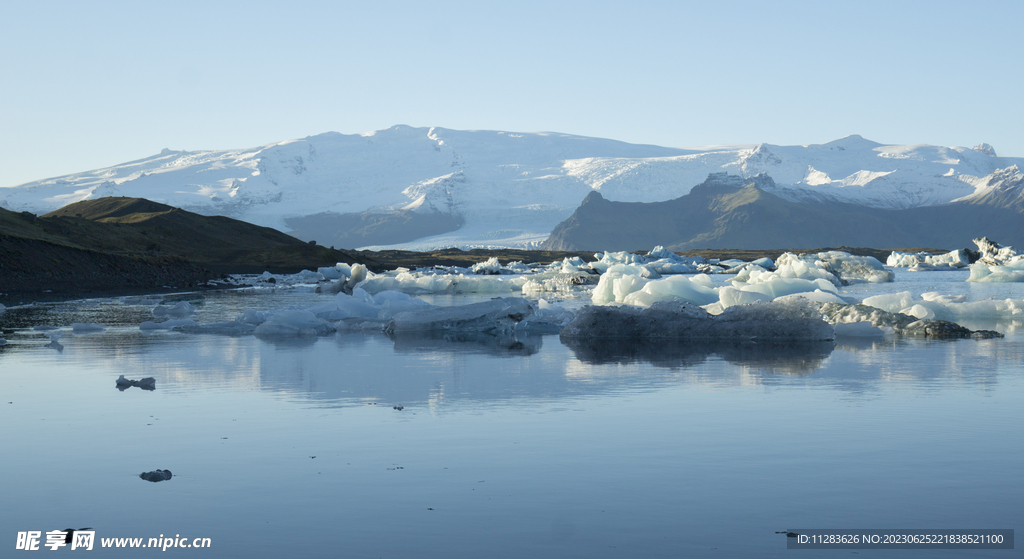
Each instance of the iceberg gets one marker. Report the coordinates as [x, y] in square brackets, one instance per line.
[497, 316]
[1003, 273]
[294, 322]
[927, 261]
[901, 323]
[946, 307]
[681, 320]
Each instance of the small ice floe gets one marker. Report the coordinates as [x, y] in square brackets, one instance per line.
[156, 475]
[86, 327]
[3, 341]
[794, 319]
[181, 309]
[2, 308]
[148, 383]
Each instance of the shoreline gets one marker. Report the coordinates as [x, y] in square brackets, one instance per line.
[70, 285]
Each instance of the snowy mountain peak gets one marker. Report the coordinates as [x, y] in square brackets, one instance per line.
[986, 149]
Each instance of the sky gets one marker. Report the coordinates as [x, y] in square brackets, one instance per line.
[92, 84]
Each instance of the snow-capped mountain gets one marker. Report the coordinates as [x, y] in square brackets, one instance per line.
[509, 189]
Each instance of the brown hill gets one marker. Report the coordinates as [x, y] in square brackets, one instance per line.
[119, 244]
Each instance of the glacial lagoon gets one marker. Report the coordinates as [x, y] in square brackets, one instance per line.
[296, 447]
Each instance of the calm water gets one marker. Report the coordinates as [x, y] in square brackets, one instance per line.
[503, 448]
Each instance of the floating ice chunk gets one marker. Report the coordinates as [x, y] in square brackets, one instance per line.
[777, 320]
[2, 308]
[83, 327]
[294, 322]
[167, 324]
[862, 330]
[492, 317]
[902, 324]
[995, 254]
[618, 281]
[730, 297]
[338, 271]
[390, 303]
[919, 311]
[181, 309]
[491, 266]
[3, 341]
[928, 261]
[818, 296]
[765, 262]
[43, 327]
[1006, 273]
[843, 267]
[777, 286]
[253, 316]
[891, 302]
[547, 318]
[673, 287]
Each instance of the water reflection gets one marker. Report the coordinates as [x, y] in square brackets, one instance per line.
[794, 357]
[473, 342]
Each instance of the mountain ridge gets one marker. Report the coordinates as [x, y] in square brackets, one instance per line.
[494, 188]
[727, 211]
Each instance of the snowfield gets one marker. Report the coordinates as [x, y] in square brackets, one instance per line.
[511, 188]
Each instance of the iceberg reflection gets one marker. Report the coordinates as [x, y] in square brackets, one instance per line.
[788, 357]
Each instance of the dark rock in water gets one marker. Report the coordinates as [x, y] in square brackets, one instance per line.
[156, 475]
[148, 383]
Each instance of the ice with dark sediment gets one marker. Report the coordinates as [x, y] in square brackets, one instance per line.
[901, 324]
[793, 319]
[996, 263]
[938, 306]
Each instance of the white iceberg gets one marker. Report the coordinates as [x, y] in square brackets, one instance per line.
[928, 261]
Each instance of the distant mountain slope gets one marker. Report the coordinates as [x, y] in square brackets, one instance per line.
[425, 188]
[728, 211]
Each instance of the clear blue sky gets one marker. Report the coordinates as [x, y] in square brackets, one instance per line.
[92, 84]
